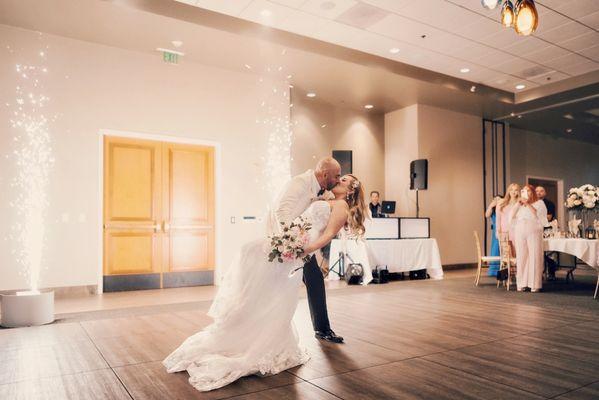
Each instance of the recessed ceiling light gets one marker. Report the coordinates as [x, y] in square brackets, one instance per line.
[520, 86]
[311, 94]
[266, 13]
[248, 66]
[465, 70]
[177, 43]
[512, 114]
[568, 116]
[473, 89]
[323, 125]
[569, 130]
[368, 106]
[394, 50]
[289, 76]
[519, 116]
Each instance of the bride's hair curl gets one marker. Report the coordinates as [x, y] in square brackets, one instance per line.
[357, 207]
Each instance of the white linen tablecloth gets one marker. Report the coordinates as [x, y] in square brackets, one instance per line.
[400, 255]
[585, 249]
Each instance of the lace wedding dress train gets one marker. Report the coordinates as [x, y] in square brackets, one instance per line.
[252, 332]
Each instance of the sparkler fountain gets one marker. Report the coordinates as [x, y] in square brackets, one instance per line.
[33, 156]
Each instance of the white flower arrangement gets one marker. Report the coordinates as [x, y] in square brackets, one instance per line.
[585, 197]
[289, 244]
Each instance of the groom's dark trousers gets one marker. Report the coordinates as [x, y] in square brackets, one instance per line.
[317, 298]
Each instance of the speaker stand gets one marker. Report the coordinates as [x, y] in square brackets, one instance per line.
[417, 205]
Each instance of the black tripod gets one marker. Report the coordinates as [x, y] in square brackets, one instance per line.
[341, 264]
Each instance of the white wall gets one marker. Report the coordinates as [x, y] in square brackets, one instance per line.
[95, 87]
[452, 144]
[401, 147]
[362, 132]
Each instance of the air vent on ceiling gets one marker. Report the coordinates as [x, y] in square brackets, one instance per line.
[362, 16]
[533, 72]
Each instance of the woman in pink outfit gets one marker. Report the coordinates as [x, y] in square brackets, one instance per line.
[504, 213]
[529, 216]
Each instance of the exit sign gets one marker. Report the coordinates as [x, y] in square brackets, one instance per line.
[169, 57]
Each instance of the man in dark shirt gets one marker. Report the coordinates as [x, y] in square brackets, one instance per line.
[375, 206]
[549, 261]
[541, 193]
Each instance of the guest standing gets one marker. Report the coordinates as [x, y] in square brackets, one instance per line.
[375, 205]
[504, 212]
[529, 216]
[541, 195]
[491, 213]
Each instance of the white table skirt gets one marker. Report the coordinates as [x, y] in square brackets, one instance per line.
[401, 255]
[585, 249]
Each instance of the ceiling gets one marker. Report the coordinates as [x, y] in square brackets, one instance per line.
[457, 34]
[340, 75]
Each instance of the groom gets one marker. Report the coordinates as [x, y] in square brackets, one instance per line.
[295, 198]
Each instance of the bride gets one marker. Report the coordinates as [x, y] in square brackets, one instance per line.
[253, 332]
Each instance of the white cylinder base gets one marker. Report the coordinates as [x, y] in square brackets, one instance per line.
[27, 309]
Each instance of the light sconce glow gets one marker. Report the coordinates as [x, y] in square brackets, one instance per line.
[519, 116]
[520, 86]
[368, 106]
[490, 4]
[527, 18]
[311, 94]
[507, 14]
[465, 70]
[394, 50]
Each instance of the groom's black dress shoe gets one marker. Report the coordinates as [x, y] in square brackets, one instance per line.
[329, 336]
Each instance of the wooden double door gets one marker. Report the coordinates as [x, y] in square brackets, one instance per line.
[158, 214]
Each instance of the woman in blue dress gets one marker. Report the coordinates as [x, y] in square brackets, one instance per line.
[490, 213]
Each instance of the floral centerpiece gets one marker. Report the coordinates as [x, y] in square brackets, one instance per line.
[289, 244]
[584, 199]
[581, 198]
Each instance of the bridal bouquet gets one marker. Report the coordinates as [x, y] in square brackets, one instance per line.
[289, 244]
[584, 197]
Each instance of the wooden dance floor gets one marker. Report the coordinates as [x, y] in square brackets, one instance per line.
[405, 340]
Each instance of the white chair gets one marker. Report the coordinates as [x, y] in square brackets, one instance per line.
[507, 262]
[483, 261]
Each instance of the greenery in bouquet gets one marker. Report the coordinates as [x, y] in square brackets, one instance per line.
[289, 244]
[585, 197]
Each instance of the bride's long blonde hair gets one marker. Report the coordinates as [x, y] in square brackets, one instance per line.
[357, 207]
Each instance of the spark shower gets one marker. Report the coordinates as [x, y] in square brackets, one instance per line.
[33, 159]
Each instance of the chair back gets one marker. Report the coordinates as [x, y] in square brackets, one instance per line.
[505, 251]
[479, 253]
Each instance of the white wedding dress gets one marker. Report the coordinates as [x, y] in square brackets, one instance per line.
[252, 332]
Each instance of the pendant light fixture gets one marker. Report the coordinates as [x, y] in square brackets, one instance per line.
[490, 4]
[527, 18]
[507, 14]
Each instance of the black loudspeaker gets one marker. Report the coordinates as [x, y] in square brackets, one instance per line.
[380, 275]
[344, 157]
[419, 174]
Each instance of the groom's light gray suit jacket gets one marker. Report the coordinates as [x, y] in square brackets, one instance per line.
[294, 199]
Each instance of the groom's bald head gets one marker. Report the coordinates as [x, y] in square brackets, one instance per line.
[328, 172]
